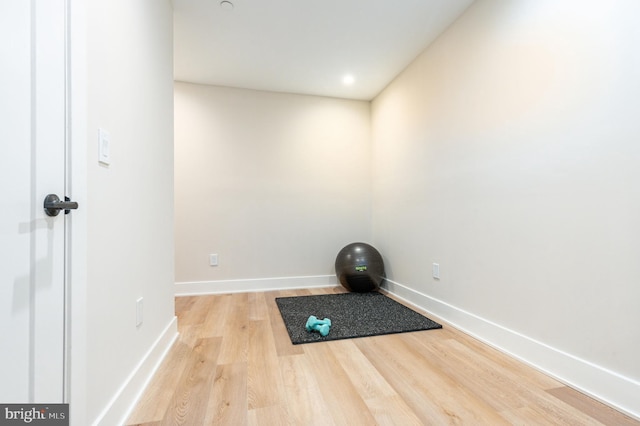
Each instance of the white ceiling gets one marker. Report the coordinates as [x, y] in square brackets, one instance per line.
[305, 46]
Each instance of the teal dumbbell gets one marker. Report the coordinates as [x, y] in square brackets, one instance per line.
[321, 326]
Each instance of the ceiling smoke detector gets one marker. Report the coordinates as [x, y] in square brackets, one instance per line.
[226, 5]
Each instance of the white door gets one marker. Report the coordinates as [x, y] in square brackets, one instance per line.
[32, 164]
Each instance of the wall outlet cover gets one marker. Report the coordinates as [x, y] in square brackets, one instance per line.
[104, 148]
[436, 271]
[139, 316]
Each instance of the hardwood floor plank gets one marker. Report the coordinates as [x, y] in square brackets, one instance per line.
[155, 401]
[502, 389]
[392, 410]
[189, 403]
[302, 393]
[486, 379]
[258, 309]
[183, 304]
[430, 393]
[550, 413]
[235, 340]
[528, 416]
[281, 338]
[228, 401]
[268, 416]
[264, 379]
[190, 334]
[595, 409]
[533, 376]
[294, 292]
[346, 405]
[360, 371]
[198, 310]
[326, 290]
[217, 314]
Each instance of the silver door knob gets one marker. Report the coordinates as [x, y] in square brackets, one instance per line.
[53, 205]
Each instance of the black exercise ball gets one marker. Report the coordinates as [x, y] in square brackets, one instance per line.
[359, 267]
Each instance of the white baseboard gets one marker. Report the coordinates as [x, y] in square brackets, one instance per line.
[124, 401]
[611, 388]
[255, 284]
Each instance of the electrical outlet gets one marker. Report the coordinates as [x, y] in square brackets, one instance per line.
[139, 312]
[104, 149]
[213, 260]
[436, 271]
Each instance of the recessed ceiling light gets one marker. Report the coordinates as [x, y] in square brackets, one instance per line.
[226, 5]
[348, 80]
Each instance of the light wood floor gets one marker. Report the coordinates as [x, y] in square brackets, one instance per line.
[235, 365]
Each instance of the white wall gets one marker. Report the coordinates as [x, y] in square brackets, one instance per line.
[129, 204]
[275, 184]
[508, 153]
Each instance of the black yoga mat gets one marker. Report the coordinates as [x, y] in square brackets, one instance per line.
[351, 314]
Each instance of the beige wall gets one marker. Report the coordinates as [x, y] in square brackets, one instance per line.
[129, 205]
[275, 184]
[508, 153]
